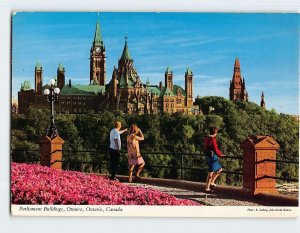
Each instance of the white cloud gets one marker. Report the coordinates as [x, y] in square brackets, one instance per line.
[271, 85]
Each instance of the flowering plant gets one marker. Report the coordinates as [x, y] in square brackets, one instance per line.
[35, 184]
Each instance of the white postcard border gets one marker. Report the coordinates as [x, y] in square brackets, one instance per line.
[155, 211]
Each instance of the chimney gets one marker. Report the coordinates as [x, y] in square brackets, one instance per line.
[160, 85]
[70, 84]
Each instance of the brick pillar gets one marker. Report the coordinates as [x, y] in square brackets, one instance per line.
[51, 150]
[256, 150]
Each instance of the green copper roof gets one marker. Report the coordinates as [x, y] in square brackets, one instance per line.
[175, 89]
[26, 86]
[97, 37]
[126, 54]
[169, 71]
[122, 81]
[78, 89]
[189, 71]
[166, 92]
[38, 66]
[60, 67]
[126, 81]
[148, 82]
[154, 89]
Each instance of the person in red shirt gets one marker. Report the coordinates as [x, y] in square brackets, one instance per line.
[212, 153]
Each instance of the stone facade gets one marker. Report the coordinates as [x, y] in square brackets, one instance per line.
[125, 91]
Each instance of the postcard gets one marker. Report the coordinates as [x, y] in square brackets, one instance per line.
[146, 114]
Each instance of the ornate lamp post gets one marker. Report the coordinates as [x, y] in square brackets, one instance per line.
[51, 144]
[52, 95]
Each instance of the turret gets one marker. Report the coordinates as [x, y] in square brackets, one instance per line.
[189, 87]
[169, 79]
[114, 82]
[38, 77]
[60, 76]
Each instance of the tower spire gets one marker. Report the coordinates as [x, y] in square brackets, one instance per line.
[125, 53]
[237, 84]
[237, 63]
[98, 59]
[98, 37]
[262, 102]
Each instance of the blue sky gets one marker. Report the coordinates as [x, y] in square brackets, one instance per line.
[266, 44]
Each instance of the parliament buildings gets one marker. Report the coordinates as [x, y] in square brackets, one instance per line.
[125, 90]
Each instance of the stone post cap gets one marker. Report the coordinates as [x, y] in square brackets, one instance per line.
[56, 140]
[260, 142]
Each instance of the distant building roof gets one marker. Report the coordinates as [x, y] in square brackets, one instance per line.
[175, 89]
[165, 91]
[78, 89]
[26, 86]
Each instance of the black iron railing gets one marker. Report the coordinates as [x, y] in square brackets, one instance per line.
[176, 164]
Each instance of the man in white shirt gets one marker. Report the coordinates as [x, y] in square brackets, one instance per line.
[114, 148]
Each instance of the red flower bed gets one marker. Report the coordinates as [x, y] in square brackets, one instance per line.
[34, 184]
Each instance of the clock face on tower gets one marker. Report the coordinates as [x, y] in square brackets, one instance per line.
[97, 49]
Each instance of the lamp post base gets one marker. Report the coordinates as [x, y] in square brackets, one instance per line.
[51, 152]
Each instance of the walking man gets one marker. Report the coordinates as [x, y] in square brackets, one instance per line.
[115, 148]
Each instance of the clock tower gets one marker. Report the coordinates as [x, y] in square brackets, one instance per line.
[97, 59]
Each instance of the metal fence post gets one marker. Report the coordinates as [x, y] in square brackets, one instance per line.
[181, 166]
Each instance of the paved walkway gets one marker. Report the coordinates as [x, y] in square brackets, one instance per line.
[212, 199]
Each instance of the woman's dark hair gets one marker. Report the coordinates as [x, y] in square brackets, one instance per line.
[213, 130]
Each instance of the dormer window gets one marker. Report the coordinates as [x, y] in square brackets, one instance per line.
[179, 92]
